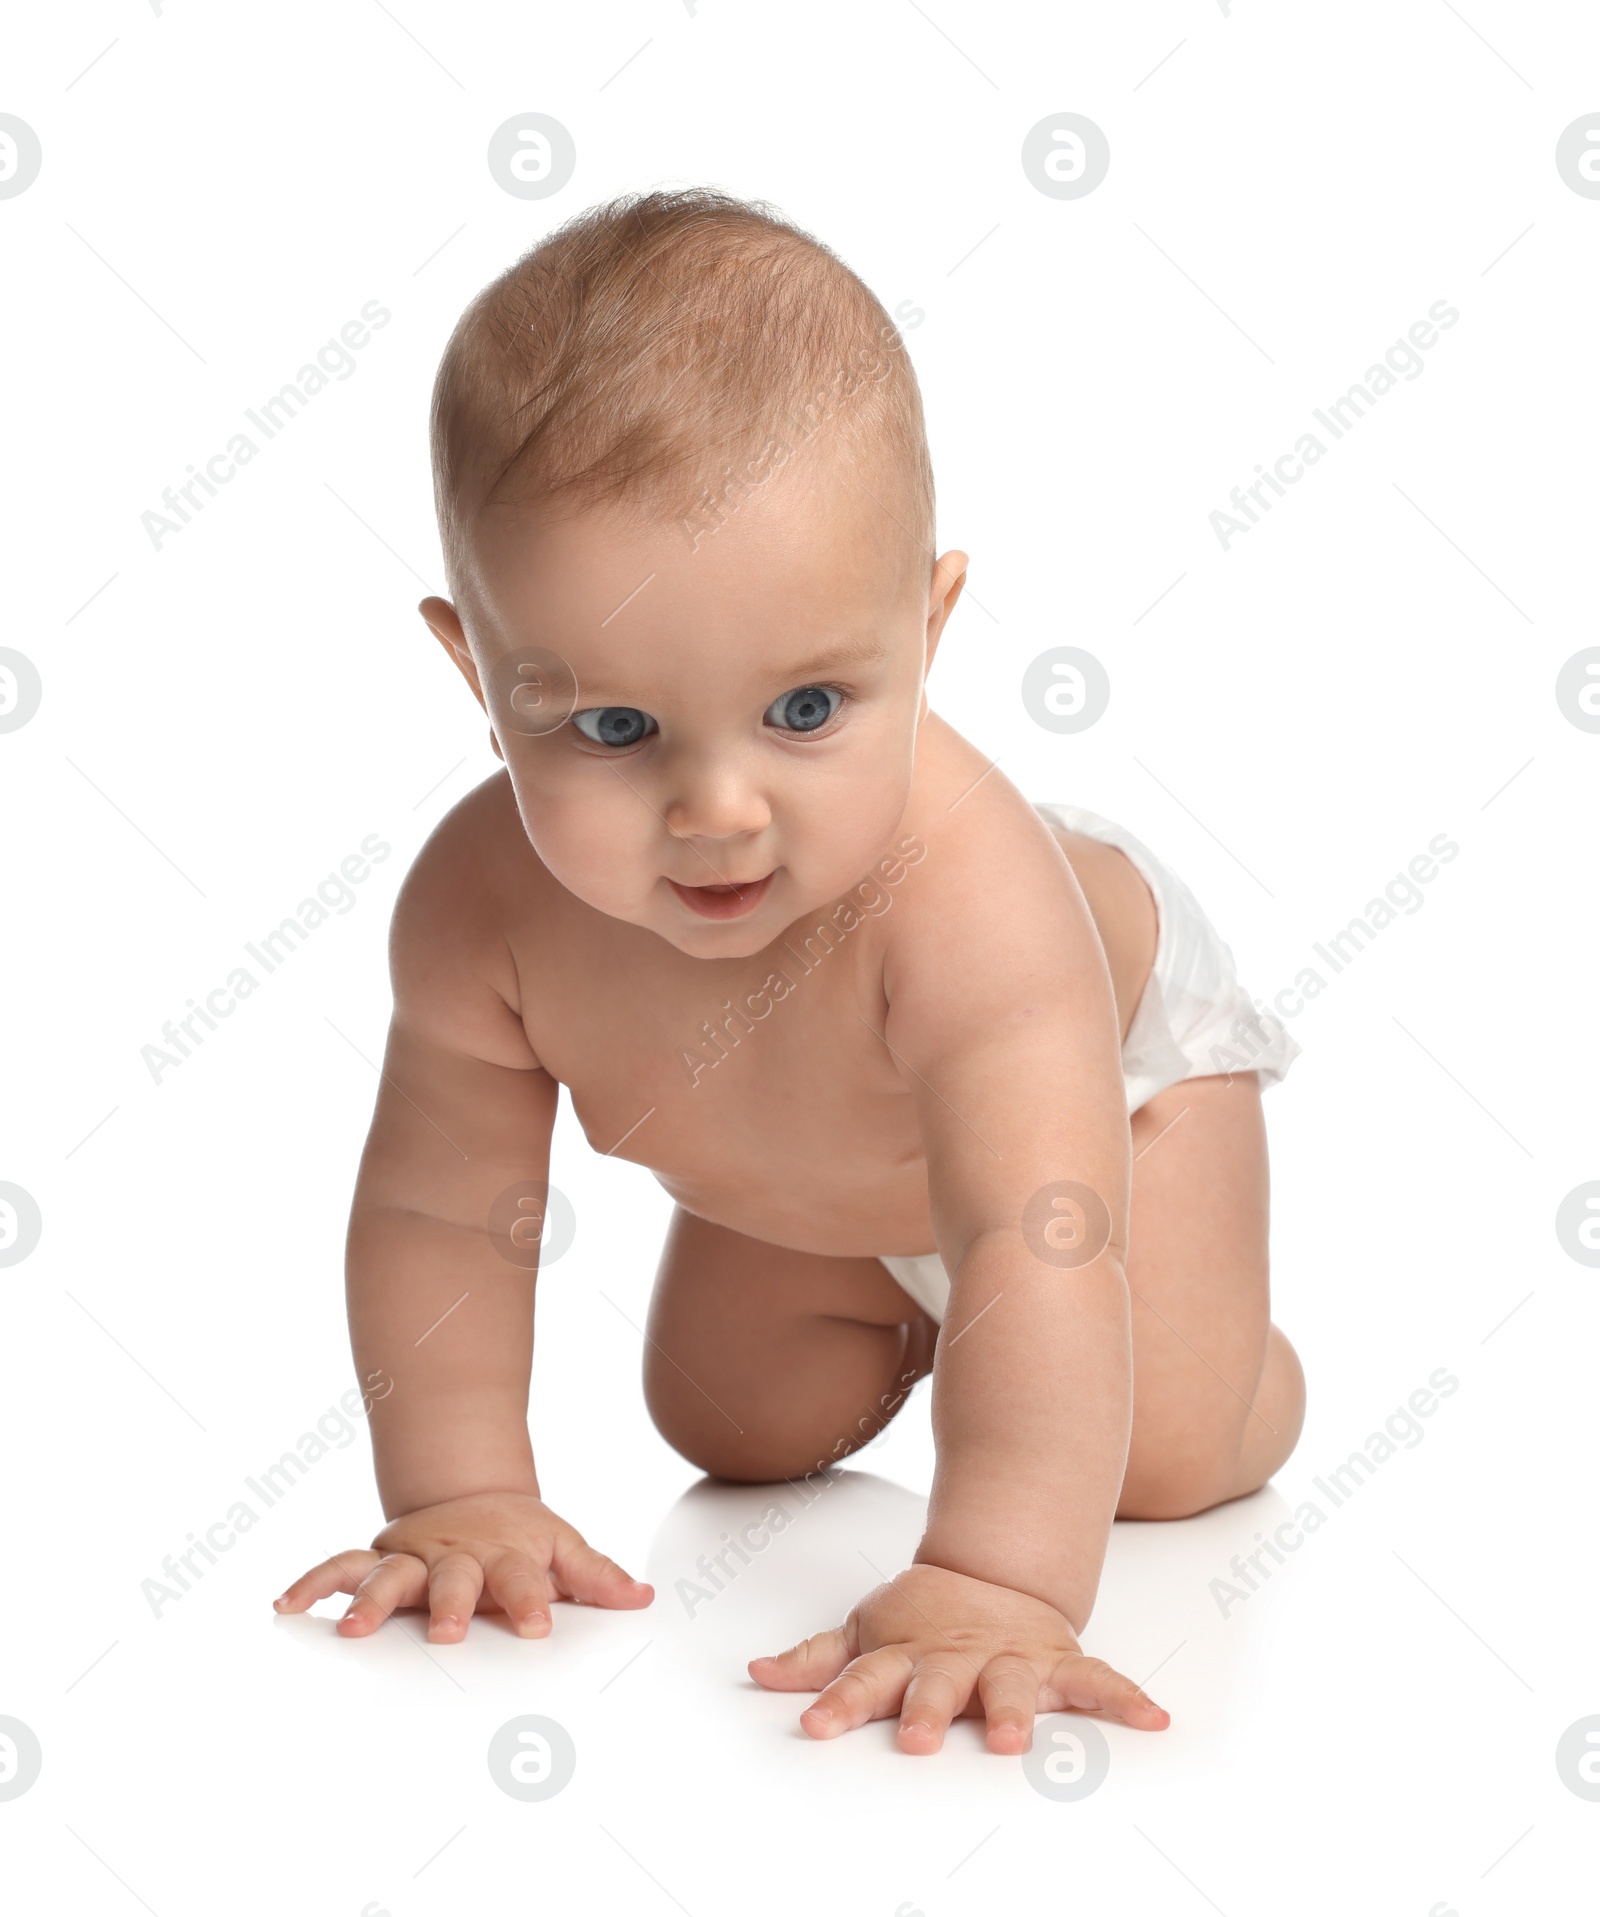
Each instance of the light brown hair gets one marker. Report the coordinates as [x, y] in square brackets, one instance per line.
[671, 350]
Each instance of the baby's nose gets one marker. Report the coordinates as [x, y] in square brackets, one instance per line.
[715, 802]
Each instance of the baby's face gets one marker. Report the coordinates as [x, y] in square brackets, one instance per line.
[743, 713]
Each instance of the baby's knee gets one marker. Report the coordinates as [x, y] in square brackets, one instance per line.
[759, 1447]
[747, 1448]
[1173, 1475]
[752, 1457]
[1180, 1487]
[752, 1428]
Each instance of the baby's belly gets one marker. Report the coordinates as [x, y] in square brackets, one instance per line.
[807, 1144]
[873, 1210]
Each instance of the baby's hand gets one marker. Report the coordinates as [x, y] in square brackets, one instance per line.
[934, 1645]
[501, 1551]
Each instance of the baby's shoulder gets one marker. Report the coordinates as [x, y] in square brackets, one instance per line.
[450, 956]
[472, 859]
[978, 829]
[991, 881]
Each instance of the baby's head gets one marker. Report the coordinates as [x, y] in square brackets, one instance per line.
[687, 512]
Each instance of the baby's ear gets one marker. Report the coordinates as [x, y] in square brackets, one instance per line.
[949, 576]
[441, 619]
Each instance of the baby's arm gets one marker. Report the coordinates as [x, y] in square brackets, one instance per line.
[1001, 1018]
[1021, 1090]
[464, 1111]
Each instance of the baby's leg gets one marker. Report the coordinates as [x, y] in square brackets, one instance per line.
[1218, 1394]
[762, 1363]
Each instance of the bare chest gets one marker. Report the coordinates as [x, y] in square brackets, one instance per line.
[760, 1092]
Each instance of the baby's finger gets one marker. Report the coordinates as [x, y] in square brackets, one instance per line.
[453, 1587]
[939, 1687]
[806, 1666]
[1009, 1690]
[592, 1578]
[397, 1583]
[521, 1589]
[1080, 1683]
[342, 1572]
[870, 1687]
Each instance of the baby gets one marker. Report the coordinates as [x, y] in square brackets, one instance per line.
[939, 1080]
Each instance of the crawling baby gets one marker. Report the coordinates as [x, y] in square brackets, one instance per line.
[939, 1080]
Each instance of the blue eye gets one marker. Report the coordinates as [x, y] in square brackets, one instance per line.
[614, 725]
[805, 709]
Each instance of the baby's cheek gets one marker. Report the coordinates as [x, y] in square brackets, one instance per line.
[849, 832]
[599, 851]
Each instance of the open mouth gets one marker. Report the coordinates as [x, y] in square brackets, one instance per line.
[723, 901]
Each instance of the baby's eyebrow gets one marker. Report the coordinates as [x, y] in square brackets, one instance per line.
[868, 649]
[865, 651]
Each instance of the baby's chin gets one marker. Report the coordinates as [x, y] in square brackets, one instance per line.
[719, 941]
[788, 901]
[686, 931]
[658, 909]
[735, 937]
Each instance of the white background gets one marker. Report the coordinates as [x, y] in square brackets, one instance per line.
[224, 720]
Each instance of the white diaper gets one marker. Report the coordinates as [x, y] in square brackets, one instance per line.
[1194, 1020]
